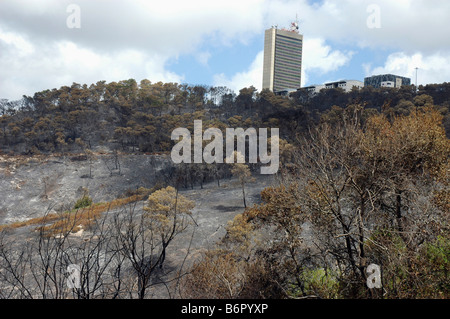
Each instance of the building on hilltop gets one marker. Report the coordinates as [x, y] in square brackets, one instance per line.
[282, 59]
[346, 85]
[313, 89]
[386, 80]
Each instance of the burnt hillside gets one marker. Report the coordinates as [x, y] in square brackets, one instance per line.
[138, 117]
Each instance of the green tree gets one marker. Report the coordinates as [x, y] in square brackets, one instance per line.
[167, 213]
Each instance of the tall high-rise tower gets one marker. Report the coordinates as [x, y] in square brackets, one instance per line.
[282, 59]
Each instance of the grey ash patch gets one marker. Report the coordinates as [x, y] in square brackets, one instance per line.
[222, 208]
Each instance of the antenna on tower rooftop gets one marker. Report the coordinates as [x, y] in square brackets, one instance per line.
[294, 25]
[416, 80]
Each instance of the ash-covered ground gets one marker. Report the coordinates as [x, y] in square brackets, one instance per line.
[33, 186]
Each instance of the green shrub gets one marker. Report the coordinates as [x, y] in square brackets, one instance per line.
[321, 283]
[84, 201]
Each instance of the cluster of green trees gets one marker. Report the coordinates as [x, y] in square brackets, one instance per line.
[133, 116]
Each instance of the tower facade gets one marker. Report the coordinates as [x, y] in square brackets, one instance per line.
[282, 59]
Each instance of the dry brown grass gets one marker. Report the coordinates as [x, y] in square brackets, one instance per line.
[72, 221]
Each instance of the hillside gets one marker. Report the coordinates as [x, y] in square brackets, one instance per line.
[129, 117]
[87, 181]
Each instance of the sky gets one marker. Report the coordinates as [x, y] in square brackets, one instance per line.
[46, 44]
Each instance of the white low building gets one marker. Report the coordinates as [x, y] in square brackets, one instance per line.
[314, 88]
[346, 85]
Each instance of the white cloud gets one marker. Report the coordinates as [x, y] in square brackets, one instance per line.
[164, 27]
[247, 78]
[42, 67]
[21, 45]
[318, 57]
[203, 57]
[405, 25]
[117, 40]
[433, 68]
